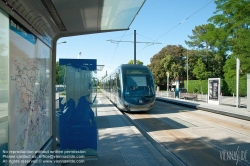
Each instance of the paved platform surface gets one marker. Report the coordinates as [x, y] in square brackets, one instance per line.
[120, 143]
[225, 109]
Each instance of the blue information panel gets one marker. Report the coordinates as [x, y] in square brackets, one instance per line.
[78, 129]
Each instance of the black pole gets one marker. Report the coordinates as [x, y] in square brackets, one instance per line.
[134, 47]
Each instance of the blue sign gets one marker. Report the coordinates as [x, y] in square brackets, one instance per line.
[83, 64]
[78, 129]
[22, 31]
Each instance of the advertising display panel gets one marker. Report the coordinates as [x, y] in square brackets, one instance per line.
[214, 90]
[30, 107]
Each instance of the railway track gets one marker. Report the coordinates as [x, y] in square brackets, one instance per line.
[195, 137]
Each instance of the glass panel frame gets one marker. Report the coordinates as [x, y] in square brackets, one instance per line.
[119, 14]
[4, 84]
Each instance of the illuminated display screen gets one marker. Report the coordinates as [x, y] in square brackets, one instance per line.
[136, 72]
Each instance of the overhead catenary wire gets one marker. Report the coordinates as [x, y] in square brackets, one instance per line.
[177, 25]
[117, 47]
[122, 35]
[185, 20]
[152, 43]
[119, 41]
[135, 52]
[147, 44]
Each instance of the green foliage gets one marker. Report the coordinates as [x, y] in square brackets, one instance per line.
[137, 62]
[60, 73]
[169, 59]
[218, 44]
[63, 93]
[230, 74]
[233, 20]
[197, 86]
[205, 39]
[192, 59]
[200, 73]
[228, 88]
[200, 70]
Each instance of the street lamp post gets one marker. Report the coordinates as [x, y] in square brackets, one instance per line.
[79, 55]
[62, 42]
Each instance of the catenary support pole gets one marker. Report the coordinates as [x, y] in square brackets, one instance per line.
[187, 70]
[134, 47]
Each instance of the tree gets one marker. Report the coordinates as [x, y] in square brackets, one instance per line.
[232, 15]
[193, 56]
[205, 38]
[157, 70]
[60, 73]
[169, 59]
[233, 19]
[200, 71]
[137, 62]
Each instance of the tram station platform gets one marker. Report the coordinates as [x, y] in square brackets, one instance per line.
[225, 109]
[120, 143]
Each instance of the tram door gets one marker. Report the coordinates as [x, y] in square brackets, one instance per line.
[118, 81]
[113, 88]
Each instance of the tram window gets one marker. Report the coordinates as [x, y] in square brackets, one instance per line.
[136, 81]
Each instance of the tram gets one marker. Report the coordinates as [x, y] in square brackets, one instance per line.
[130, 88]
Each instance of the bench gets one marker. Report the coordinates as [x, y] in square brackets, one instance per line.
[187, 96]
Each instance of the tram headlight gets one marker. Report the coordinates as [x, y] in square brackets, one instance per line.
[126, 105]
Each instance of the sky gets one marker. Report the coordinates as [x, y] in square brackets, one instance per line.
[168, 22]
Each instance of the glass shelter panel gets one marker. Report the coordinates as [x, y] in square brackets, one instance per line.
[4, 82]
[126, 10]
[29, 88]
[77, 111]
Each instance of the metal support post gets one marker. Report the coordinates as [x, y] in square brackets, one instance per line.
[237, 81]
[167, 83]
[248, 91]
[187, 70]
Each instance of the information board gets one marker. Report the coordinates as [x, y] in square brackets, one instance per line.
[30, 104]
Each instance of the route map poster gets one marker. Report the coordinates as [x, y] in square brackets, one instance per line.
[30, 107]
